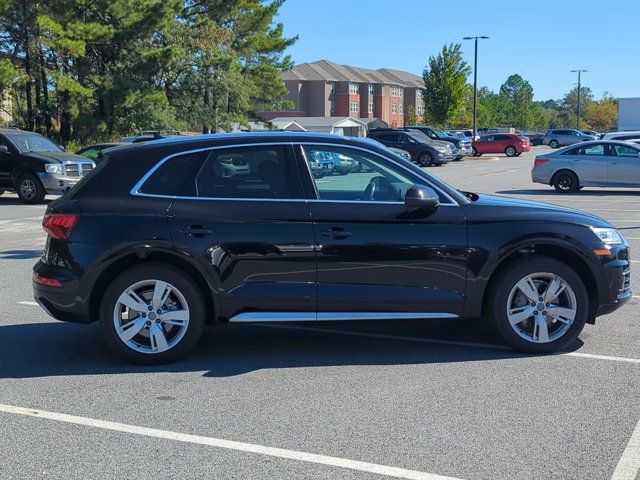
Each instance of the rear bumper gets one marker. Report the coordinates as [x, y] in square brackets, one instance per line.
[65, 303]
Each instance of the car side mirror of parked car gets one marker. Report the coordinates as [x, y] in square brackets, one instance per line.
[4, 150]
[421, 197]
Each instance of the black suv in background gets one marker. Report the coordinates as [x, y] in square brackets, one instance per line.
[165, 237]
[34, 166]
[422, 150]
[463, 145]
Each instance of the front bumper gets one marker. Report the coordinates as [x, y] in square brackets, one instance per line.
[616, 277]
[56, 183]
[465, 151]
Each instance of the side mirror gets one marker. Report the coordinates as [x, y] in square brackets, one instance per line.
[62, 147]
[421, 197]
[4, 150]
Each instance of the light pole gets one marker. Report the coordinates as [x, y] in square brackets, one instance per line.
[475, 82]
[578, 115]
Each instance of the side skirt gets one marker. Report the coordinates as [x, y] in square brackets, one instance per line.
[333, 316]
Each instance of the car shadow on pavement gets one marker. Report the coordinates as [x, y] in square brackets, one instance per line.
[580, 193]
[19, 254]
[54, 348]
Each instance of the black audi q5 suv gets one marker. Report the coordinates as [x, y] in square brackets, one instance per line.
[166, 237]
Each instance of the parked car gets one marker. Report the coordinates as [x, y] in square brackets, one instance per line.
[422, 151]
[630, 135]
[33, 166]
[560, 137]
[463, 145]
[321, 164]
[93, 152]
[148, 135]
[590, 164]
[592, 133]
[535, 138]
[510, 144]
[155, 245]
[469, 134]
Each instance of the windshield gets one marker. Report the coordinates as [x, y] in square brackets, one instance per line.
[439, 133]
[32, 142]
[419, 136]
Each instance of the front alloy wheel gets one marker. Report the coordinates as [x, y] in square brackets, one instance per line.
[538, 304]
[152, 313]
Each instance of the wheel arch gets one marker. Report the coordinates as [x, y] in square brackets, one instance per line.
[561, 170]
[154, 255]
[560, 251]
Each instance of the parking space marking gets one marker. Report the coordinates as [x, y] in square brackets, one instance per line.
[29, 303]
[385, 470]
[449, 342]
[629, 464]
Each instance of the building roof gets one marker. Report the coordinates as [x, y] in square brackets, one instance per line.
[325, 70]
[310, 122]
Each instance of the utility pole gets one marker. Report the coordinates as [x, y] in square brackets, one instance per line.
[475, 82]
[578, 114]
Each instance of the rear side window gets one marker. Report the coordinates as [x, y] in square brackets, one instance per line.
[169, 177]
[246, 173]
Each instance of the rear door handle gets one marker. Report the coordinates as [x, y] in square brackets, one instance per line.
[338, 233]
[197, 231]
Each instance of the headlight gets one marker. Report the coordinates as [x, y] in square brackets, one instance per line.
[53, 168]
[441, 154]
[609, 236]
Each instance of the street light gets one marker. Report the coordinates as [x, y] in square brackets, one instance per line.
[578, 115]
[475, 82]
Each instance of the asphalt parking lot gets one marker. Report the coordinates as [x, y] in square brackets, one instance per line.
[433, 400]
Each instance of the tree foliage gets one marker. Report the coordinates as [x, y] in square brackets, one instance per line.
[445, 84]
[102, 68]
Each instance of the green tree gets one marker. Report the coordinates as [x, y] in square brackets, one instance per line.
[411, 119]
[602, 115]
[445, 85]
[518, 95]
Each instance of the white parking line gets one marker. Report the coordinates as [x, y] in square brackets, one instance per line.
[448, 342]
[227, 444]
[29, 303]
[629, 464]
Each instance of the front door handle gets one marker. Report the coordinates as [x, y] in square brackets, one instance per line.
[197, 231]
[338, 233]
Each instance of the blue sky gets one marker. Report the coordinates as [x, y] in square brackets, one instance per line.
[539, 39]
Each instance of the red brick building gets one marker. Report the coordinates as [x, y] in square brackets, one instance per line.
[326, 89]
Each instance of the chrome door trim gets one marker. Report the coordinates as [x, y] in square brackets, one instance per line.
[334, 316]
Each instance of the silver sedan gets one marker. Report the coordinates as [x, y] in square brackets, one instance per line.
[589, 164]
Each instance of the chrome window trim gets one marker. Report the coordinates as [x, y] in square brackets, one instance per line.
[248, 317]
[135, 191]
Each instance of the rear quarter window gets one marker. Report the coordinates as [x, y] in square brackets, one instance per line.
[168, 178]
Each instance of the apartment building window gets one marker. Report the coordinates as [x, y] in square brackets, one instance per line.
[332, 106]
[370, 107]
[353, 107]
[353, 88]
[395, 91]
[420, 109]
[372, 89]
[401, 107]
[394, 108]
[333, 87]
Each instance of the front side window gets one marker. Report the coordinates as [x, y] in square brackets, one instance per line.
[597, 149]
[245, 173]
[368, 178]
[624, 151]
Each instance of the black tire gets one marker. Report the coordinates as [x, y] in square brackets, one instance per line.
[565, 181]
[475, 153]
[30, 189]
[425, 159]
[153, 271]
[518, 154]
[554, 144]
[510, 151]
[499, 298]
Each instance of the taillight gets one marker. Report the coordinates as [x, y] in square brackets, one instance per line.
[48, 281]
[539, 161]
[59, 225]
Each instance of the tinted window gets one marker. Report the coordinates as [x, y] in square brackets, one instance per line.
[91, 153]
[367, 177]
[388, 137]
[246, 172]
[169, 177]
[593, 150]
[624, 151]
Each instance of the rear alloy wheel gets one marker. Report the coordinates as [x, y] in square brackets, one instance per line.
[152, 313]
[475, 152]
[554, 144]
[565, 182]
[510, 151]
[539, 305]
[30, 189]
[425, 159]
